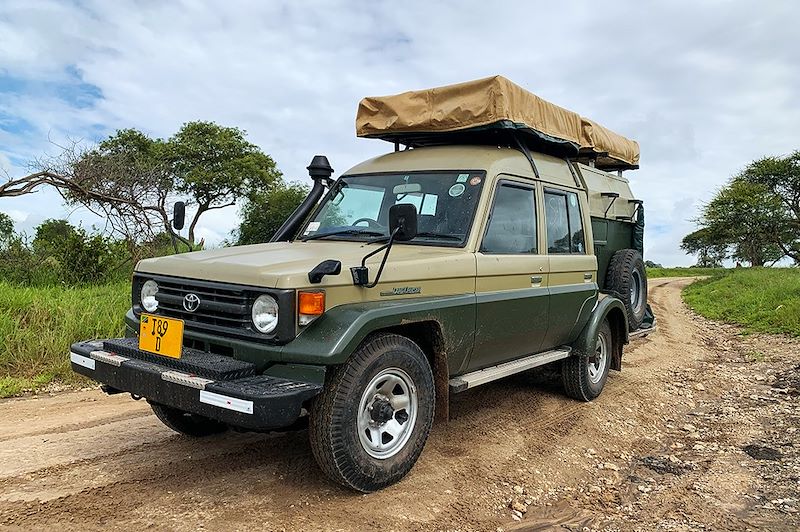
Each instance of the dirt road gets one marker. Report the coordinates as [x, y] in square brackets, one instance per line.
[700, 429]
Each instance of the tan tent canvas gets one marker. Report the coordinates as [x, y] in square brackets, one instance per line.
[475, 110]
[608, 145]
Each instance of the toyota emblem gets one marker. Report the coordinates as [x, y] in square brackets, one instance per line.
[191, 302]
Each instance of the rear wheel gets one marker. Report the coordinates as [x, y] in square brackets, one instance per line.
[585, 376]
[627, 277]
[187, 424]
[369, 425]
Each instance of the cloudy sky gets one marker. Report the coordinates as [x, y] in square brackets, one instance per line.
[704, 87]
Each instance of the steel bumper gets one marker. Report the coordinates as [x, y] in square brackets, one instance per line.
[214, 386]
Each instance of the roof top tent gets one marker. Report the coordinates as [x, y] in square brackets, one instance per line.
[493, 111]
[497, 112]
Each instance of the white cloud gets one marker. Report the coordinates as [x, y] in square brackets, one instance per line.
[704, 87]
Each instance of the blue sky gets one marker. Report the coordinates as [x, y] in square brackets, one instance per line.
[704, 87]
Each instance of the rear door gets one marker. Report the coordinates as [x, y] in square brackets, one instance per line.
[573, 287]
[511, 284]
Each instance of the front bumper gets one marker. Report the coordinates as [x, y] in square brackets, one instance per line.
[214, 386]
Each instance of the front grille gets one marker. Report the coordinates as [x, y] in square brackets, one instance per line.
[219, 307]
[224, 309]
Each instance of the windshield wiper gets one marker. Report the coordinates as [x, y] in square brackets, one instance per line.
[439, 235]
[365, 232]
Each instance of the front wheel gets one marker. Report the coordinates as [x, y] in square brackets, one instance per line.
[585, 376]
[369, 425]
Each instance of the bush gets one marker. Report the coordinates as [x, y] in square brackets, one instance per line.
[62, 254]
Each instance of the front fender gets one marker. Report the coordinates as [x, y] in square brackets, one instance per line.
[607, 307]
[335, 335]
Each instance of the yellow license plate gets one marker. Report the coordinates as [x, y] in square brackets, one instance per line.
[162, 336]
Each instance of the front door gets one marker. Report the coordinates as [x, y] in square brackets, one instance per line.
[511, 285]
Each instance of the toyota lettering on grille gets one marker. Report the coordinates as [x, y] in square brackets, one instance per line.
[191, 302]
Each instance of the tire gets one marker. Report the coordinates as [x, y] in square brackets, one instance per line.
[585, 376]
[359, 438]
[185, 423]
[627, 277]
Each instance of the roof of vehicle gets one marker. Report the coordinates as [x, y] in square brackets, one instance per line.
[470, 157]
[501, 160]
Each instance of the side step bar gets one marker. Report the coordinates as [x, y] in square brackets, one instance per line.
[482, 376]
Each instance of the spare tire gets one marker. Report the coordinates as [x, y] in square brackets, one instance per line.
[627, 278]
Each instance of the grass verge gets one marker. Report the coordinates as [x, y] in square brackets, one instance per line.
[654, 273]
[37, 326]
[761, 299]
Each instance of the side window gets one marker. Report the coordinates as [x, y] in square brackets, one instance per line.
[512, 226]
[577, 244]
[564, 228]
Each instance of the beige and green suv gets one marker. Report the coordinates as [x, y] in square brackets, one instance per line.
[414, 276]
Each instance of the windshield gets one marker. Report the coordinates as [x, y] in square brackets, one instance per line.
[357, 208]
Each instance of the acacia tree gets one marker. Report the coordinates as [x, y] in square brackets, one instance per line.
[215, 166]
[741, 223]
[780, 178]
[125, 179]
[131, 179]
[706, 245]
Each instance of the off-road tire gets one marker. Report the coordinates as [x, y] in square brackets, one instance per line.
[333, 429]
[575, 370]
[185, 423]
[625, 267]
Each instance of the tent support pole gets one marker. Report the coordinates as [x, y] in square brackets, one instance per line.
[527, 153]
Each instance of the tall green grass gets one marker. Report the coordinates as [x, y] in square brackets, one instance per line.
[37, 326]
[760, 299]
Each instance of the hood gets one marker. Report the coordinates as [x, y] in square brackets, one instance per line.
[286, 264]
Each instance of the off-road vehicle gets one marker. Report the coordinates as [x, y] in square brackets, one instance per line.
[499, 236]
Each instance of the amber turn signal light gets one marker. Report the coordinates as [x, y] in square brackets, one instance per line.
[311, 303]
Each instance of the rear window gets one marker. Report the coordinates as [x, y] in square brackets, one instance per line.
[564, 224]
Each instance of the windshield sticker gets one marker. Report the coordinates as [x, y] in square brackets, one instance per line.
[462, 178]
[456, 190]
[312, 227]
[475, 181]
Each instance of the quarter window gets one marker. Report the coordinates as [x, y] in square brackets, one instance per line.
[512, 226]
[564, 227]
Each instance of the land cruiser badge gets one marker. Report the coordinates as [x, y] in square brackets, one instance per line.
[402, 291]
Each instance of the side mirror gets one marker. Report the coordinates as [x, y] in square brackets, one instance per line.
[178, 215]
[403, 218]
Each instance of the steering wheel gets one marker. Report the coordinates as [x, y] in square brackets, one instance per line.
[372, 224]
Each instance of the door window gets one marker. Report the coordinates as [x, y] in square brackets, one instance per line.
[512, 222]
[564, 226]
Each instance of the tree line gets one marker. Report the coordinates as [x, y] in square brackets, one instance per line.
[754, 218]
[131, 180]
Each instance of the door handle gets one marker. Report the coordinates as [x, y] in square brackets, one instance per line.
[536, 279]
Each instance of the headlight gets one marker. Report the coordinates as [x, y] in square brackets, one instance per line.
[148, 295]
[265, 313]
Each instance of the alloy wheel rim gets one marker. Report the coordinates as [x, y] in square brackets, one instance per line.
[387, 413]
[597, 363]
